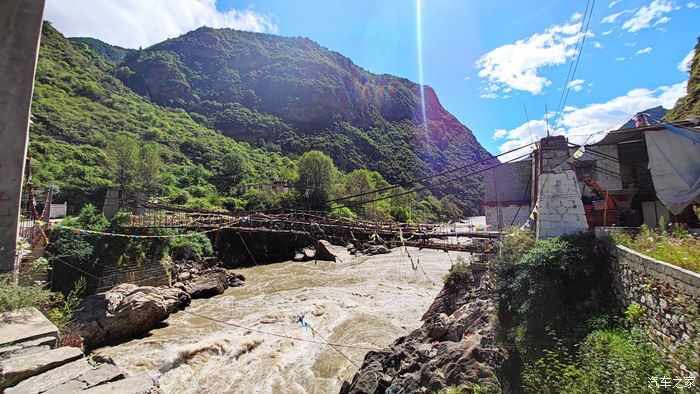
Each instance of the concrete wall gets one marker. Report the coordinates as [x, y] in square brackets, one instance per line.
[507, 213]
[507, 186]
[508, 182]
[150, 273]
[670, 297]
[20, 29]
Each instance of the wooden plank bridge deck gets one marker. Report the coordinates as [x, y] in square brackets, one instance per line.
[319, 227]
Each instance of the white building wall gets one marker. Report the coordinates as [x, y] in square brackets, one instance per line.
[559, 207]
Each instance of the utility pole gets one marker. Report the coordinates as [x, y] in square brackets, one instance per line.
[546, 118]
[20, 31]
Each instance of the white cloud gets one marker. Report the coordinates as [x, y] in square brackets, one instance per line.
[500, 134]
[650, 15]
[613, 17]
[620, 59]
[605, 33]
[692, 5]
[643, 51]
[576, 85]
[597, 45]
[579, 123]
[663, 19]
[612, 3]
[516, 66]
[684, 65]
[134, 23]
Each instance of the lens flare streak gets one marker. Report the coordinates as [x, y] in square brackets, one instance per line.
[419, 40]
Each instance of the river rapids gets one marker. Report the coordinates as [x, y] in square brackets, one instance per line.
[365, 303]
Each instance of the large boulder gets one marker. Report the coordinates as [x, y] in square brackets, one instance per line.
[124, 311]
[204, 278]
[329, 252]
[206, 284]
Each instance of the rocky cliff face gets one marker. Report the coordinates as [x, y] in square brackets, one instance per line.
[454, 347]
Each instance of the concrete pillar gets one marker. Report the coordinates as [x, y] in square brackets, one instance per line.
[559, 206]
[111, 205]
[20, 30]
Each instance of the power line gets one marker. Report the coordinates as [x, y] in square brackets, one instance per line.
[429, 186]
[571, 64]
[410, 182]
[578, 58]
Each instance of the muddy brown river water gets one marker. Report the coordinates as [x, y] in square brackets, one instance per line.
[367, 303]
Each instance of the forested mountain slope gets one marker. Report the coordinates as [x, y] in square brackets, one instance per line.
[79, 108]
[689, 105]
[291, 95]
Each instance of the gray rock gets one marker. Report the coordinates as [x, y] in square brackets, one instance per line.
[19, 368]
[454, 346]
[328, 252]
[52, 378]
[377, 249]
[138, 384]
[234, 279]
[87, 377]
[15, 351]
[207, 284]
[124, 311]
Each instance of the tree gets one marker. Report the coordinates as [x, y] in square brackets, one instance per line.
[233, 168]
[316, 171]
[151, 165]
[123, 162]
[360, 182]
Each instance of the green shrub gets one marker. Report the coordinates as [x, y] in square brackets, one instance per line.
[190, 247]
[59, 309]
[558, 284]
[634, 314]
[460, 272]
[608, 361]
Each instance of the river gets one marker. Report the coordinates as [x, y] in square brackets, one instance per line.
[365, 303]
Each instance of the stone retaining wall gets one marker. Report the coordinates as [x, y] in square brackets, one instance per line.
[101, 278]
[670, 297]
[148, 273]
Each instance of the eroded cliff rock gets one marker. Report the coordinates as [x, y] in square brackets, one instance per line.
[455, 346]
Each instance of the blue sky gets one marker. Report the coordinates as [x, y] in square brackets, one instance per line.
[485, 59]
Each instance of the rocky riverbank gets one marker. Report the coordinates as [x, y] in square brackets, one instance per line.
[128, 310]
[455, 346]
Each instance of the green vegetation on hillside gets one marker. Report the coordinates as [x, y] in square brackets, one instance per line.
[79, 109]
[689, 105]
[112, 53]
[559, 322]
[291, 95]
[90, 132]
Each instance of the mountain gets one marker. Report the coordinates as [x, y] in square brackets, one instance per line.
[689, 106]
[112, 53]
[291, 95]
[78, 108]
[655, 113]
